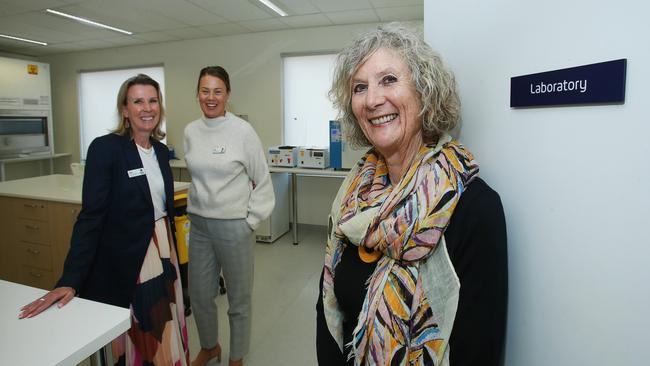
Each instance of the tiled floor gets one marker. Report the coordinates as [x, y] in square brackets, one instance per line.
[284, 301]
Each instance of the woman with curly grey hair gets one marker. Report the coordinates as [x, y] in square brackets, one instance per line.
[415, 267]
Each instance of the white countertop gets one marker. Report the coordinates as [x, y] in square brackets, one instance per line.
[29, 157]
[55, 187]
[180, 163]
[177, 163]
[57, 336]
[310, 171]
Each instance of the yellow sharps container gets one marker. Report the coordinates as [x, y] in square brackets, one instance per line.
[182, 224]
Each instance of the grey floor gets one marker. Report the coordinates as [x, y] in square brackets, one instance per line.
[284, 301]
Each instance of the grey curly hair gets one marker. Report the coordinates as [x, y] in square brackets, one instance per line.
[434, 83]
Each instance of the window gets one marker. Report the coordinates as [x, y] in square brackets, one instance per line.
[97, 97]
[307, 109]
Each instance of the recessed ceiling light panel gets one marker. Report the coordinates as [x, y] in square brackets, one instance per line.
[22, 39]
[87, 21]
[273, 7]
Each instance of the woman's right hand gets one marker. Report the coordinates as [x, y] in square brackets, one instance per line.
[61, 294]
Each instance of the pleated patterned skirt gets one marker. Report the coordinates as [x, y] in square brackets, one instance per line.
[158, 334]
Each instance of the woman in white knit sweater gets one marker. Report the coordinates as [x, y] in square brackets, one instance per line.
[230, 194]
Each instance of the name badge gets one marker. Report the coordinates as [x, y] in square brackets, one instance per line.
[136, 172]
[219, 150]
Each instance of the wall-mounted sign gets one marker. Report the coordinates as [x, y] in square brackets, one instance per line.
[32, 69]
[599, 83]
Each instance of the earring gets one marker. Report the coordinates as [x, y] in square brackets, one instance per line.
[127, 124]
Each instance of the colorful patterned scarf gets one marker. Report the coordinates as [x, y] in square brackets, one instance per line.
[406, 222]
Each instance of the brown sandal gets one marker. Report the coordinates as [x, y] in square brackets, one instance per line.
[205, 355]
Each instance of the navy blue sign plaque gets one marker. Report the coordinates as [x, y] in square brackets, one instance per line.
[601, 83]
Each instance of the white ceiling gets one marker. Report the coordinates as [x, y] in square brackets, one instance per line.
[173, 20]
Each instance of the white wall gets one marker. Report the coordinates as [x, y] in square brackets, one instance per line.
[573, 180]
[15, 55]
[255, 66]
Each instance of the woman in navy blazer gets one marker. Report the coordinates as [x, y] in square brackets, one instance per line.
[122, 250]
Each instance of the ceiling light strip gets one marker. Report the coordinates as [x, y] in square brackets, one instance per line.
[22, 39]
[86, 21]
[273, 7]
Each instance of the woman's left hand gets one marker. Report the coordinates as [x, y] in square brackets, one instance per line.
[61, 294]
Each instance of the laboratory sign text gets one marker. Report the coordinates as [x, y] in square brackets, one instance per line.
[600, 83]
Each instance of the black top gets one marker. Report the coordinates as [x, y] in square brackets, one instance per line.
[476, 243]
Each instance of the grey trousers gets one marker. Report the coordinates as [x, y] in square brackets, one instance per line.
[216, 245]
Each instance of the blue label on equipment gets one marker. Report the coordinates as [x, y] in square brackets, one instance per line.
[599, 83]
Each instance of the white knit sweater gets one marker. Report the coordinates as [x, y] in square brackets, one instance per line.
[230, 177]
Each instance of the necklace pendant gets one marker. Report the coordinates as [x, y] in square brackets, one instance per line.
[368, 255]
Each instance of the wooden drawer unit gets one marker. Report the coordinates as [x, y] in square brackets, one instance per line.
[35, 255]
[36, 277]
[64, 215]
[27, 244]
[31, 209]
[6, 239]
[35, 234]
[32, 231]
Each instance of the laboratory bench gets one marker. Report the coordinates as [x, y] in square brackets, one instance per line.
[294, 173]
[179, 169]
[58, 336]
[34, 157]
[36, 220]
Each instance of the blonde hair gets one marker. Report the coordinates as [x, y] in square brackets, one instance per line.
[123, 126]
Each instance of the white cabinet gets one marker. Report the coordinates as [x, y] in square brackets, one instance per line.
[278, 223]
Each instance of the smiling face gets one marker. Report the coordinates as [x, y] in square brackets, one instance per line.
[142, 109]
[213, 96]
[387, 105]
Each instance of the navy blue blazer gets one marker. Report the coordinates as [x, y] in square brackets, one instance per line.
[113, 229]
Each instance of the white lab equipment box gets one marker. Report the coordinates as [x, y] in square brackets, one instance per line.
[284, 156]
[351, 156]
[278, 223]
[314, 157]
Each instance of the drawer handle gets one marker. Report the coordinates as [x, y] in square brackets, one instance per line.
[31, 227]
[30, 205]
[34, 274]
[33, 251]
